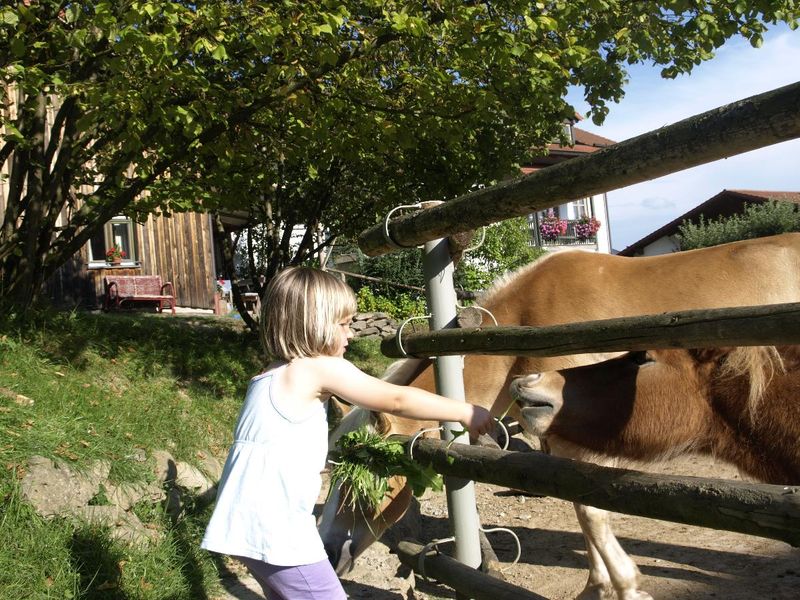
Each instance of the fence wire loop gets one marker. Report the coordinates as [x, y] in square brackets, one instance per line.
[478, 244]
[480, 308]
[516, 540]
[399, 335]
[386, 235]
[410, 449]
[424, 551]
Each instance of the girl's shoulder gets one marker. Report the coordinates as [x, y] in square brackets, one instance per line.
[271, 370]
[320, 368]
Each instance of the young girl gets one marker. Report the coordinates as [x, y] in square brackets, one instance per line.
[271, 480]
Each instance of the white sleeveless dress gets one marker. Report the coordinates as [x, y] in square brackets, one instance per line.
[271, 481]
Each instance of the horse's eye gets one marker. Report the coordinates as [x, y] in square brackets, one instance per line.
[641, 357]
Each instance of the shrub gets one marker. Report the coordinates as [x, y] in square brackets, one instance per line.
[756, 220]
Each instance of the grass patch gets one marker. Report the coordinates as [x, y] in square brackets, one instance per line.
[79, 387]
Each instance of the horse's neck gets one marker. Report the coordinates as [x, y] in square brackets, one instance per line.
[403, 372]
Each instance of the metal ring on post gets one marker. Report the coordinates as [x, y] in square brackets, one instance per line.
[410, 451]
[505, 430]
[386, 236]
[398, 335]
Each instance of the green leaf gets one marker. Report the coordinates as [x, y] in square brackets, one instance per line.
[324, 28]
[219, 52]
[12, 132]
[9, 17]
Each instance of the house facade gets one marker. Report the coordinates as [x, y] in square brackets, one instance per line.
[725, 204]
[582, 223]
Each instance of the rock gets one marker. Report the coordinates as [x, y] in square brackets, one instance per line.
[210, 465]
[55, 489]
[192, 479]
[166, 469]
[128, 494]
[123, 525]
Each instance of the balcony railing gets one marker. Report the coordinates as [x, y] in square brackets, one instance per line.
[569, 238]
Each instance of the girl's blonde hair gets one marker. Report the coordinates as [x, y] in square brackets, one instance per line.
[302, 308]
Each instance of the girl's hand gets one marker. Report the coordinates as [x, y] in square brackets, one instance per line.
[478, 421]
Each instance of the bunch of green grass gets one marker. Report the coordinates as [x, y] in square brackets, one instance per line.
[364, 462]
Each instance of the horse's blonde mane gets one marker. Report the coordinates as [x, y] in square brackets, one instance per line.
[759, 364]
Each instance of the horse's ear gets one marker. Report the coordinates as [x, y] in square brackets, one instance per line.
[709, 355]
[380, 422]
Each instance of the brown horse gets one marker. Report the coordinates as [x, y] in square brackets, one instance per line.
[576, 286]
[737, 404]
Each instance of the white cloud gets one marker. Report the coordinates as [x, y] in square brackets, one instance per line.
[738, 71]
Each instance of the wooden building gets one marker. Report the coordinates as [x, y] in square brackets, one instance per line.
[179, 248]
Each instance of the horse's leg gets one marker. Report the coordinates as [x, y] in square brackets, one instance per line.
[612, 573]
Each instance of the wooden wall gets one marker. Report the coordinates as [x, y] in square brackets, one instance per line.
[179, 248]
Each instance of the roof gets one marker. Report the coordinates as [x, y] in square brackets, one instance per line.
[585, 143]
[724, 204]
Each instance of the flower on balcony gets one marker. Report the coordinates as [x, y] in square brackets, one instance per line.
[550, 227]
[586, 228]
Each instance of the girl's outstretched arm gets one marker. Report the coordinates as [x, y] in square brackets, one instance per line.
[342, 378]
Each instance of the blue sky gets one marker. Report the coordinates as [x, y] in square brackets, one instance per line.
[650, 102]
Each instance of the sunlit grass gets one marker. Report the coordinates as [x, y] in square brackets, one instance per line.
[78, 388]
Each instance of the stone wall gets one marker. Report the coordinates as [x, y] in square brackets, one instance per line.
[375, 324]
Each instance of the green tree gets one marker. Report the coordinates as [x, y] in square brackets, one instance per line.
[300, 112]
[756, 220]
[506, 247]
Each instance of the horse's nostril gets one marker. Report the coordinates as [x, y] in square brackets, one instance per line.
[527, 381]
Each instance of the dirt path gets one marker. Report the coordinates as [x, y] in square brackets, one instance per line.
[677, 561]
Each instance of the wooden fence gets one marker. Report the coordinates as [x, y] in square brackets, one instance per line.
[771, 511]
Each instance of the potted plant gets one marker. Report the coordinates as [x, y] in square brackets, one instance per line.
[114, 255]
[551, 227]
[586, 228]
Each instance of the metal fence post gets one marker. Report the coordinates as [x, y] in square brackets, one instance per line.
[440, 291]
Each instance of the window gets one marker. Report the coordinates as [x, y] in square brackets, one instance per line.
[119, 231]
[582, 208]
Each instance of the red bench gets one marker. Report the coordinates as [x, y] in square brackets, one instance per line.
[133, 288]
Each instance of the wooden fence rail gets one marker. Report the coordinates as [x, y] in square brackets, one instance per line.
[741, 326]
[771, 511]
[463, 579]
[732, 129]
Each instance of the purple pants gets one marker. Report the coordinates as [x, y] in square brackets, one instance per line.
[317, 581]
